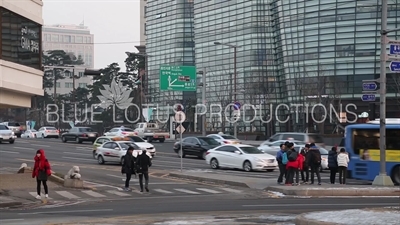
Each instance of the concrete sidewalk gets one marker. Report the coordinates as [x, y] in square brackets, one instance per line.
[269, 184]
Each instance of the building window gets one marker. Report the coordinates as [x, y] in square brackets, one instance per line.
[82, 85]
[21, 39]
[68, 85]
[79, 39]
[58, 84]
[81, 74]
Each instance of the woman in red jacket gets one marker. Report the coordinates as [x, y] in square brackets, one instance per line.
[41, 171]
[294, 167]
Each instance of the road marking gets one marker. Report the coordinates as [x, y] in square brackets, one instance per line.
[75, 153]
[208, 190]
[94, 194]
[41, 145]
[119, 193]
[9, 152]
[322, 204]
[24, 148]
[66, 194]
[187, 191]
[163, 191]
[10, 220]
[64, 157]
[121, 177]
[34, 194]
[63, 212]
[177, 162]
[231, 190]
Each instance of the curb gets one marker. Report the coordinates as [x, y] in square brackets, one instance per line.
[9, 204]
[336, 192]
[301, 220]
[213, 180]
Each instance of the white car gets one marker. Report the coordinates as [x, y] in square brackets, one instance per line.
[273, 147]
[48, 132]
[29, 134]
[115, 151]
[143, 144]
[6, 135]
[224, 139]
[240, 156]
[120, 131]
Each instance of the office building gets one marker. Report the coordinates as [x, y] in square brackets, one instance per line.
[169, 41]
[20, 52]
[72, 39]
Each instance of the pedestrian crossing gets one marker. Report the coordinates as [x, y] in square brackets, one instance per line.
[116, 193]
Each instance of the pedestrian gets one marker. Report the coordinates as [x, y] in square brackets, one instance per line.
[294, 165]
[143, 163]
[343, 162]
[305, 169]
[314, 162]
[128, 167]
[281, 163]
[41, 170]
[333, 164]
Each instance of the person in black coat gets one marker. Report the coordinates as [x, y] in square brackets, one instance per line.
[332, 164]
[143, 164]
[306, 170]
[128, 167]
[313, 159]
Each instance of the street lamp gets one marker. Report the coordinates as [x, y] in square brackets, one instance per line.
[203, 99]
[234, 73]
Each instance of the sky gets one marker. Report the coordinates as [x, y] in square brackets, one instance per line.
[110, 21]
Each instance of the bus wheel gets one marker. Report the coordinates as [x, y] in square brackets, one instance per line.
[396, 175]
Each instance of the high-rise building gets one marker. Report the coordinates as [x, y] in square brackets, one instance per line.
[169, 41]
[72, 39]
[21, 75]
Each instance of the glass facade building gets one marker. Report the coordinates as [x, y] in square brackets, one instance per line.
[169, 41]
[287, 51]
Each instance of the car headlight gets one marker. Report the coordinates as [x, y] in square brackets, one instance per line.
[12, 133]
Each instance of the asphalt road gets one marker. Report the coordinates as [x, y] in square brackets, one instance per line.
[64, 155]
[190, 204]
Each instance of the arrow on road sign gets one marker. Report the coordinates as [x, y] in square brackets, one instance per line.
[368, 98]
[369, 86]
[394, 66]
[395, 49]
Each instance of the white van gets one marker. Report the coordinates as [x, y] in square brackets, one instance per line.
[303, 137]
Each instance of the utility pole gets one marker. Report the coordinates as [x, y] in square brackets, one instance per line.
[73, 94]
[55, 88]
[203, 99]
[383, 179]
[234, 86]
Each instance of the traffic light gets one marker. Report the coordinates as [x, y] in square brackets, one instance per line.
[89, 72]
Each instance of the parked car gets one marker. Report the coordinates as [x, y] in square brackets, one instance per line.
[224, 139]
[6, 135]
[80, 135]
[120, 131]
[143, 144]
[29, 134]
[240, 156]
[115, 151]
[48, 132]
[197, 146]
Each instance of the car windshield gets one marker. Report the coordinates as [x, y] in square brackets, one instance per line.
[13, 124]
[3, 127]
[127, 129]
[51, 128]
[86, 129]
[125, 146]
[136, 139]
[251, 150]
[208, 141]
[228, 137]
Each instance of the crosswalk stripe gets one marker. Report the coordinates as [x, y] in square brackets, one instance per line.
[94, 194]
[119, 193]
[163, 191]
[231, 190]
[34, 194]
[187, 191]
[208, 190]
[66, 194]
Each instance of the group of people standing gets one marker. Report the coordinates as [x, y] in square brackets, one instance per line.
[136, 165]
[292, 164]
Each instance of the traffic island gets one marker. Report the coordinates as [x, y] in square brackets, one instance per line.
[387, 216]
[335, 190]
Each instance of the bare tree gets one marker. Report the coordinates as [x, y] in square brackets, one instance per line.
[220, 93]
[395, 85]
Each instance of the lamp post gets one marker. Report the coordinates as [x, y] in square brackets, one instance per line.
[203, 99]
[235, 47]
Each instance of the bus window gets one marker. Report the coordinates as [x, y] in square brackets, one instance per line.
[370, 139]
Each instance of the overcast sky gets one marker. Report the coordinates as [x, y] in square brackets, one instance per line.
[109, 20]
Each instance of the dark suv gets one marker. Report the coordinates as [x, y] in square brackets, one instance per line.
[80, 134]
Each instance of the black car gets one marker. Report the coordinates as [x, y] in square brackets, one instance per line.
[80, 134]
[197, 146]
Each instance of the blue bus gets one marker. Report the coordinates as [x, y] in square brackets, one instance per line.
[362, 144]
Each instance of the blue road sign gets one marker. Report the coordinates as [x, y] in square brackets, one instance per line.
[394, 66]
[236, 106]
[395, 49]
[368, 98]
[372, 86]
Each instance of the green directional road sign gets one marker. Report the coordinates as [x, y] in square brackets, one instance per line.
[178, 78]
